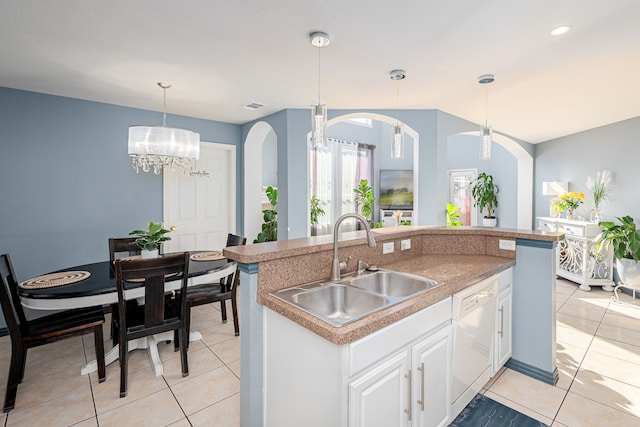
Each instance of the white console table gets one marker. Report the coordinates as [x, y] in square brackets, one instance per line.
[388, 220]
[576, 259]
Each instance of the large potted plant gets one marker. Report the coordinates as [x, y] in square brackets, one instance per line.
[485, 196]
[149, 240]
[269, 231]
[364, 198]
[624, 238]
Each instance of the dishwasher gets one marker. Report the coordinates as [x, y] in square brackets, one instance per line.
[474, 313]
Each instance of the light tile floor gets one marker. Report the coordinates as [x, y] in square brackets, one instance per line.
[598, 354]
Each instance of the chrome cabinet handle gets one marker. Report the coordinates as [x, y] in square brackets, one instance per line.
[501, 331]
[408, 411]
[421, 400]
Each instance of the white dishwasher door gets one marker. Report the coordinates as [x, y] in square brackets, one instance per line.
[473, 329]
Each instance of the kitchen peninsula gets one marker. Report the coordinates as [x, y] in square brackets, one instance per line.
[456, 257]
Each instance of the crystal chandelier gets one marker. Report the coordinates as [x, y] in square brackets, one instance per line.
[397, 144]
[486, 132]
[319, 111]
[156, 147]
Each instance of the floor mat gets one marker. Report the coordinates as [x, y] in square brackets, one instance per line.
[483, 411]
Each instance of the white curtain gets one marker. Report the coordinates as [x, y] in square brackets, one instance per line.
[335, 171]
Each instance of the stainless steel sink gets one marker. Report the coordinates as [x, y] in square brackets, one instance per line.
[344, 301]
[339, 303]
[393, 284]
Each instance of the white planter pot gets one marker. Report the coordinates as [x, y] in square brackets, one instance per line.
[145, 254]
[629, 272]
[489, 222]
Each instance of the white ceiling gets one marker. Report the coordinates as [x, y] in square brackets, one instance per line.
[220, 55]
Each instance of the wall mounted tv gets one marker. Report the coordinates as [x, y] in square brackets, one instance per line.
[396, 189]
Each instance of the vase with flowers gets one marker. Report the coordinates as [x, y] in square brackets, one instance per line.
[569, 202]
[601, 189]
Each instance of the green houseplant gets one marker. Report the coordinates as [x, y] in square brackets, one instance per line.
[485, 196]
[624, 239]
[315, 211]
[148, 240]
[364, 198]
[453, 216]
[269, 231]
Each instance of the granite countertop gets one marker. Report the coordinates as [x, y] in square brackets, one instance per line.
[456, 272]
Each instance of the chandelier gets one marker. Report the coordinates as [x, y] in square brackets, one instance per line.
[157, 147]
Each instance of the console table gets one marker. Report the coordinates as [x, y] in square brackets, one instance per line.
[576, 259]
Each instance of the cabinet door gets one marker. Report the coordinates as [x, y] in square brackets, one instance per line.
[502, 351]
[431, 368]
[379, 397]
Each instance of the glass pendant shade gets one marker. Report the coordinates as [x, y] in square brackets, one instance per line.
[154, 147]
[319, 125]
[487, 136]
[397, 145]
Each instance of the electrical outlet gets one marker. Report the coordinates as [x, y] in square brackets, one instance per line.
[405, 244]
[508, 245]
[387, 248]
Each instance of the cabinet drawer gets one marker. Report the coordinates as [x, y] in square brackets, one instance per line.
[374, 347]
[574, 230]
[546, 225]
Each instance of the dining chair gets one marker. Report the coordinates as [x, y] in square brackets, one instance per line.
[119, 247]
[226, 288]
[158, 314]
[26, 334]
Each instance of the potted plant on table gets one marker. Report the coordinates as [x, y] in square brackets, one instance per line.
[624, 238]
[485, 196]
[149, 240]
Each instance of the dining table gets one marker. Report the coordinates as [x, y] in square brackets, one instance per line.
[97, 287]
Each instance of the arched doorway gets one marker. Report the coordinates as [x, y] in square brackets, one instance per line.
[260, 134]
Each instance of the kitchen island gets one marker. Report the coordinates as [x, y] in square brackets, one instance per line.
[457, 257]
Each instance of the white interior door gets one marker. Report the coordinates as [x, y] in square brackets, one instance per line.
[201, 204]
[460, 194]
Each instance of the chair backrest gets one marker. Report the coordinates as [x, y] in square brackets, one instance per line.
[151, 273]
[11, 306]
[122, 245]
[235, 240]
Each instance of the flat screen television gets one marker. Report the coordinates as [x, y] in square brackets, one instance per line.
[396, 189]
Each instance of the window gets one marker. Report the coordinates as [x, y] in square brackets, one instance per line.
[334, 172]
[361, 121]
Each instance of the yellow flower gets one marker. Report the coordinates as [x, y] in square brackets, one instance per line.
[570, 200]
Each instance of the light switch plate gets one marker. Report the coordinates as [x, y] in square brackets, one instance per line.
[405, 244]
[508, 245]
[387, 248]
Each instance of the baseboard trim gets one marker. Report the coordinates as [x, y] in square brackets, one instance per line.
[533, 372]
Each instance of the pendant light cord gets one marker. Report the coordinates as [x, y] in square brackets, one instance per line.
[164, 107]
[486, 106]
[319, 48]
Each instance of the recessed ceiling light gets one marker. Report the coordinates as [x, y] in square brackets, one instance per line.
[562, 29]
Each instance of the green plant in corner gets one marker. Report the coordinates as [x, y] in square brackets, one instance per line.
[624, 238]
[453, 216]
[485, 194]
[315, 211]
[364, 198]
[269, 231]
[154, 235]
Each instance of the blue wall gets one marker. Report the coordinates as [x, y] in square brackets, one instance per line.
[573, 158]
[67, 181]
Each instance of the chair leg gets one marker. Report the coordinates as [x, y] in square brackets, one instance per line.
[184, 341]
[99, 346]
[223, 309]
[123, 349]
[234, 311]
[15, 377]
[176, 333]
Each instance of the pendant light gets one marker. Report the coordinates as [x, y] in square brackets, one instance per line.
[397, 144]
[319, 110]
[155, 147]
[486, 132]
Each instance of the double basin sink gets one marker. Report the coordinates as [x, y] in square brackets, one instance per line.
[351, 298]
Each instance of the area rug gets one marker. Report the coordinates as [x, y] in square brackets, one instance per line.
[483, 411]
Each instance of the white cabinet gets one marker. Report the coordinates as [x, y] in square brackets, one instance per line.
[576, 259]
[503, 335]
[409, 388]
[382, 379]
